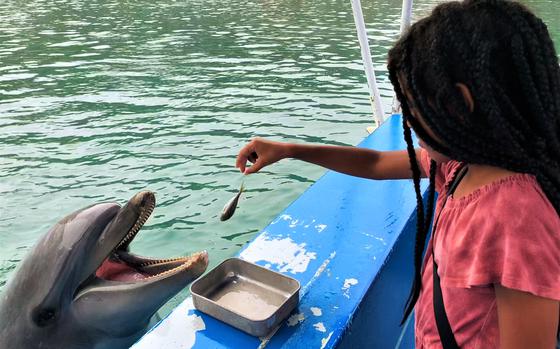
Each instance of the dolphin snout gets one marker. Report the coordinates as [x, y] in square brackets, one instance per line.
[143, 199]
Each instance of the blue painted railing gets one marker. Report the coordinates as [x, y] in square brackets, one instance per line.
[349, 242]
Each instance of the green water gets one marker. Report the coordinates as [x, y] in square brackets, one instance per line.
[100, 99]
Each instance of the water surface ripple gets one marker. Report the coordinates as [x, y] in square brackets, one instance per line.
[100, 99]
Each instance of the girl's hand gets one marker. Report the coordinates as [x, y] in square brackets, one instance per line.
[261, 153]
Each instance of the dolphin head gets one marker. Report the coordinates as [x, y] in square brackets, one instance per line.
[81, 287]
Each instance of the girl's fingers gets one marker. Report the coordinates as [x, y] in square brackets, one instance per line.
[249, 153]
[243, 156]
[240, 163]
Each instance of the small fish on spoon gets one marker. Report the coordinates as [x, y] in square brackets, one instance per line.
[231, 205]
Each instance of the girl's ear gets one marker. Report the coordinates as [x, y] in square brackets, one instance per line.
[466, 95]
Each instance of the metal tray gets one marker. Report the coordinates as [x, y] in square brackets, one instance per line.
[246, 296]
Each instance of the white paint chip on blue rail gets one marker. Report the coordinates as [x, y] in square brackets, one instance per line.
[284, 254]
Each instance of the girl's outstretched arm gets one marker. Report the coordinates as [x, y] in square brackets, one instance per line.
[525, 320]
[354, 161]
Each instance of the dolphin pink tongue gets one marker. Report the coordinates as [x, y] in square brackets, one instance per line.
[118, 271]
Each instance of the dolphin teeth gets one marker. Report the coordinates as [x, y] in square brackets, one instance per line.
[188, 261]
[142, 218]
[182, 266]
[162, 261]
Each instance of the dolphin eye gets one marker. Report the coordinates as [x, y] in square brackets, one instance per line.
[44, 317]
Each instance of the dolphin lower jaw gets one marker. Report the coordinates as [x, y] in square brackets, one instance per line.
[122, 308]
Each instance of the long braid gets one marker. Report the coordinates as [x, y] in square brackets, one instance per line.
[431, 195]
[506, 58]
[422, 222]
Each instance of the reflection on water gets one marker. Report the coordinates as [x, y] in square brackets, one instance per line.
[104, 98]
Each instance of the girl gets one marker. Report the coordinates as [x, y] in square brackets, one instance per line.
[479, 83]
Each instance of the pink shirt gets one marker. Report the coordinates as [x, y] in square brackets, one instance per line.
[505, 233]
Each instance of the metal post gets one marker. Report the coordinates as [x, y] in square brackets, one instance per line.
[375, 98]
[406, 15]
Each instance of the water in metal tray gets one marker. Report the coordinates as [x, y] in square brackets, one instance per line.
[248, 298]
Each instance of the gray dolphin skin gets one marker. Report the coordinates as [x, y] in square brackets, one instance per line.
[80, 287]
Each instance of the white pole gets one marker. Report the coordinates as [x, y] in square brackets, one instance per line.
[406, 15]
[375, 99]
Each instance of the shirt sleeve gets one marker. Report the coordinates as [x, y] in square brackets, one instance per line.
[512, 238]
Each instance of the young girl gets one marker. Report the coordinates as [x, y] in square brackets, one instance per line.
[479, 83]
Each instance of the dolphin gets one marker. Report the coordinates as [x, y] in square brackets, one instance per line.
[80, 286]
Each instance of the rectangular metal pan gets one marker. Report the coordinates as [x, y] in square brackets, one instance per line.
[246, 296]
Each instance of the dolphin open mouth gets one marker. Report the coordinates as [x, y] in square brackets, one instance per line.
[123, 266]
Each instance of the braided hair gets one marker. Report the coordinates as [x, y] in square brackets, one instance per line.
[504, 54]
